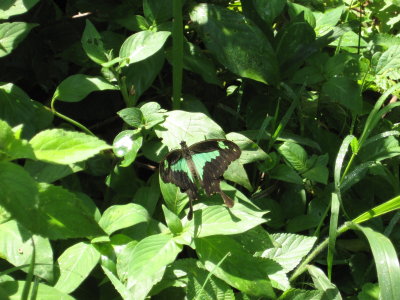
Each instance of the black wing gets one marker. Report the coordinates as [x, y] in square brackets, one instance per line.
[214, 169]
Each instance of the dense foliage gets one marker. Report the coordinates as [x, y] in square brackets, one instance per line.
[94, 94]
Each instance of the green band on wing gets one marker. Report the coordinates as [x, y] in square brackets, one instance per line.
[201, 159]
[182, 166]
[222, 145]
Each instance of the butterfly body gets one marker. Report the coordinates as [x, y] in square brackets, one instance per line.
[202, 164]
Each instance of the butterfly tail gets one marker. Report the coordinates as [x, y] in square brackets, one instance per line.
[227, 200]
[192, 196]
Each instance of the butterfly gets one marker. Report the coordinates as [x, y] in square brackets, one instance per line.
[201, 164]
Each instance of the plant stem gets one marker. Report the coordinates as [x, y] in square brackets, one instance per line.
[177, 53]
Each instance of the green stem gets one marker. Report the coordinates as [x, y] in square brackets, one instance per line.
[177, 53]
[73, 122]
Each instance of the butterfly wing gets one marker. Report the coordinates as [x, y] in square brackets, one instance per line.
[174, 169]
[212, 158]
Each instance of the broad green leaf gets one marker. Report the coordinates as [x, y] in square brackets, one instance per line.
[132, 116]
[386, 263]
[93, 44]
[322, 283]
[65, 147]
[47, 172]
[75, 264]
[291, 249]
[76, 87]
[330, 17]
[153, 114]
[142, 45]
[65, 214]
[389, 63]
[16, 247]
[148, 196]
[11, 34]
[238, 44]
[127, 144]
[118, 217]
[344, 91]
[236, 173]
[251, 152]
[185, 126]
[173, 222]
[19, 190]
[239, 268]
[173, 197]
[9, 8]
[11, 147]
[380, 149]
[350, 39]
[140, 75]
[297, 9]
[118, 285]
[143, 264]
[220, 220]
[269, 9]
[157, 11]
[295, 155]
[317, 169]
[285, 173]
[13, 290]
[17, 108]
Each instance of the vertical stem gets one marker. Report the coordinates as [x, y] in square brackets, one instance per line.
[177, 53]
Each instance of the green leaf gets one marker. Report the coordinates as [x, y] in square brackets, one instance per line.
[16, 247]
[65, 214]
[269, 9]
[344, 91]
[239, 269]
[330, 17]
[386, 262]
[153, 114]
[285, 173]
[132, 116]
[219, 220]
[317, 170]
[185, 126]
[295, 155]
[76, 87]
[157, 11]
[174, 199]
[17, 108]
[297, 9]
[65, 147]
[9, 8]
[297, 294]
[75, 264]
[238, 44]
[11, 146]
[11, 34]
[173, 222]
[322, 283]
[142, 45]
[291, 249]
[47, 172]
[93, 44]
[251, 152]
[14, 290]
[350, 39]
[118, 217]
[389, 63]
[140, 75]
[143, 264]
[388, 206]
[127, 144]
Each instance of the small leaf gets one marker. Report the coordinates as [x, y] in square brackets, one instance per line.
[251, 152]
[93, 44]
[11, 34]
[127, 144]
[119, 217]
[157, 11]
[65, 147]
[344, 91]
[76, 87]
[172, 220]
[132, 116]
[285, 173]
[11, 146]
[75, 264]
[322, 283]
[295, 155]
[142, 45]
